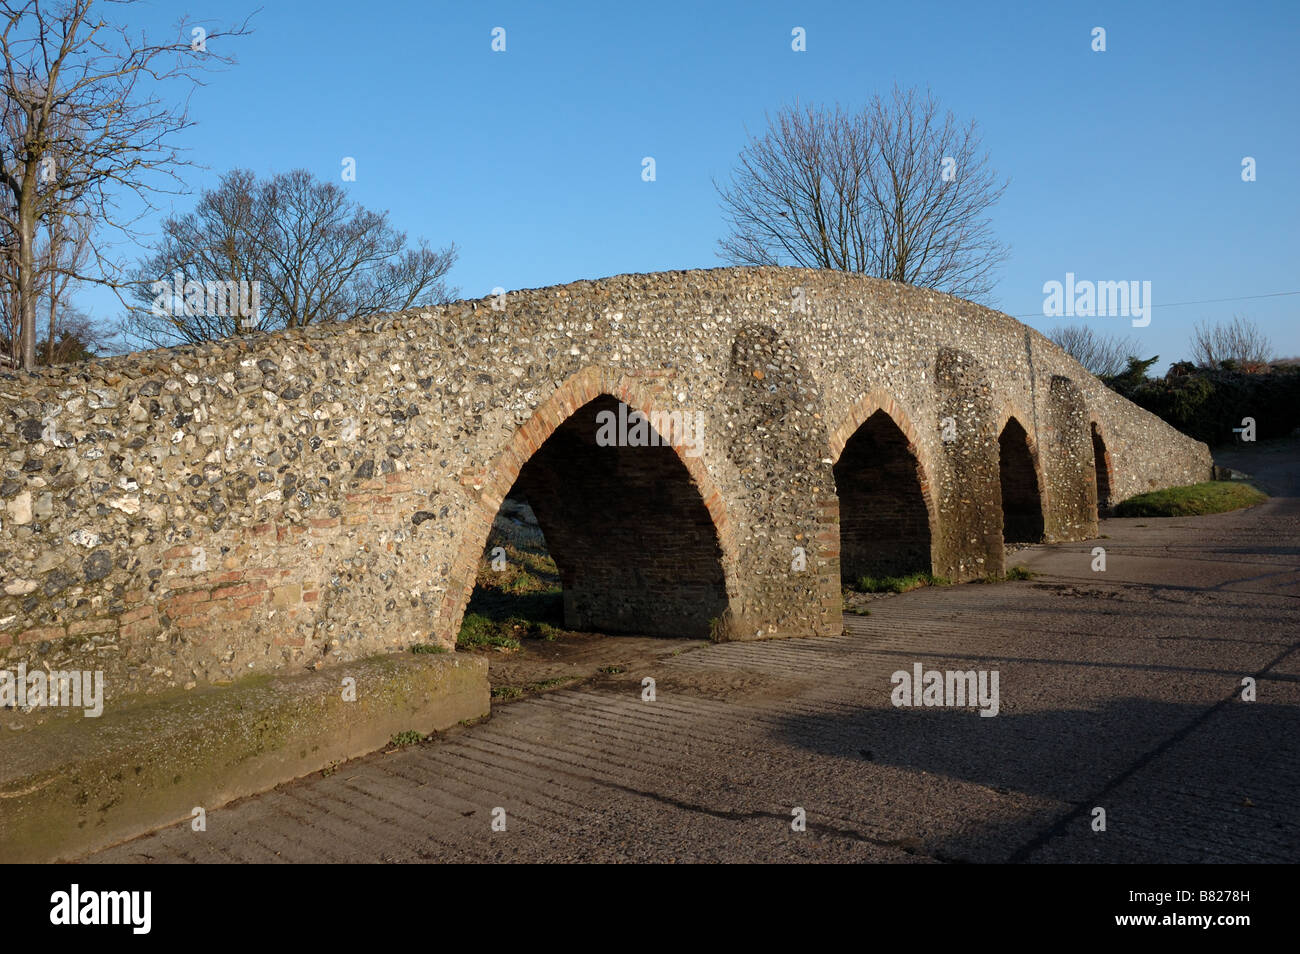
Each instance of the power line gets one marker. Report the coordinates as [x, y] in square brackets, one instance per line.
[1175, 304]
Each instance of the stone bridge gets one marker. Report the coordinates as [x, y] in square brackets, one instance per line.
[190, 515]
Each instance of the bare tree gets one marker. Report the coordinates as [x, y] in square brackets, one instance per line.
[64, 254]
[1102, 355]
[895, 190]
[76, 338]
[62, 249]
[1240, 340]
[82, 121]
[10, 310]
[314, 255]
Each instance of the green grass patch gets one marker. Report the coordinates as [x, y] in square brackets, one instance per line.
[479, 632]
[544, 631]
[409, 737]
[718, 629]
[1214, 496]
[428, 648]
[484, 631]
[527, 572]
[523, 583]
[898, 584]
[550, 683]
[612, 670]
[1014, 573]
[506, 693]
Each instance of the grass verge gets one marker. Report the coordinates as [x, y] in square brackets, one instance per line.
[1215, 496]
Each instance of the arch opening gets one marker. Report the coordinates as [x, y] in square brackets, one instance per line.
[1101, 460]
[884, 516]
[1022, 507]
[633, 546]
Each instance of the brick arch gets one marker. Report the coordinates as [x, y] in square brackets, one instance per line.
[877, 399]
[1011, 413]
[490, 485]
[1010, 410]
[880, 401]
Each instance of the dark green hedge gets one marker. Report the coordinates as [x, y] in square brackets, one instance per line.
[1208, 403]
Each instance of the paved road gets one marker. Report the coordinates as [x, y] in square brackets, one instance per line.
[1118, 689]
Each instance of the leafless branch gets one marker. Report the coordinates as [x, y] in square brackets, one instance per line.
[84, 122]
[314, 253]
[895, 190]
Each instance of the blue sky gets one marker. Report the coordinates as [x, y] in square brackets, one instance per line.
[1124, 165]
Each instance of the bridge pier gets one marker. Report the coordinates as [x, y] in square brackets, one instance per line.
[1068, 466]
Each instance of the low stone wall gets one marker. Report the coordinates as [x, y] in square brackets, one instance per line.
[77, 784]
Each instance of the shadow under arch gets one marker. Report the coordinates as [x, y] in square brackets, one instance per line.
[1020, 480]
[1102, 466]
[639, 533]
[887, 523]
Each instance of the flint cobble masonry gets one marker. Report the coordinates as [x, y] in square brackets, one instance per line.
[194, 514]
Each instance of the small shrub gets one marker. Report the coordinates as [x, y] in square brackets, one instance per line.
[717, 630]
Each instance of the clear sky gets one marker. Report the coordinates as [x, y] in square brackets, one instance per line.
[1124, 164]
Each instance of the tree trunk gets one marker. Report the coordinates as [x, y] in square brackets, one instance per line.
[54, 297]
[27, 289]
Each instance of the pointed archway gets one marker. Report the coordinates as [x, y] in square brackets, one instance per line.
[884, 513]
[627, 528]
[637, 530]
[1022, 505]
[1101, 460]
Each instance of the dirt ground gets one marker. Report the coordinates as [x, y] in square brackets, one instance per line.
[575, 659]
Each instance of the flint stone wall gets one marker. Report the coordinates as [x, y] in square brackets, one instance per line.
[195, 514]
